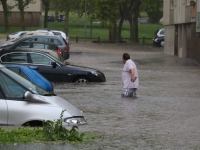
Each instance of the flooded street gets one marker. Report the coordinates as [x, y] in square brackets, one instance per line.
[165, 115]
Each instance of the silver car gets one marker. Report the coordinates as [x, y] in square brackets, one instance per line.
[22, 103]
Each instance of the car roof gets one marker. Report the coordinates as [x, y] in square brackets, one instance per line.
[40, 35]
[20, 50]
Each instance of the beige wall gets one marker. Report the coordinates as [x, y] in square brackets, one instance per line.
[35, 7]
[179, 13]
[169, 39]
[32, 15]
[166, 12]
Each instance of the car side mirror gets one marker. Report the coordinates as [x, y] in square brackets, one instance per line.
[54, 64]
[33, 97]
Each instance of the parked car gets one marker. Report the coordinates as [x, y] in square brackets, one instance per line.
[51, 68]
[33, 45]
[38, 33]
[159, 37]
[53, 53]
[50, 17]
[15, 35]
[22, 103]
[61, 18]
[56, 39]
[30, 73]
[55, 32]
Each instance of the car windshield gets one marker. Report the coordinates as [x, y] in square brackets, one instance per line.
[19, 85]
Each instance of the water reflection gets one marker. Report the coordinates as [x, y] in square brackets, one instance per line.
[129, 107]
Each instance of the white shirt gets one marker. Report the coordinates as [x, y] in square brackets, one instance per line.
[126, 75]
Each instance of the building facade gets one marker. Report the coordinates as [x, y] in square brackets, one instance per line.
[181, 19]
[32, 14]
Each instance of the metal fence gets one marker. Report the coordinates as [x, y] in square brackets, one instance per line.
[77, 39]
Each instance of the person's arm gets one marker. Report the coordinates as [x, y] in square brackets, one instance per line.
[133, 78]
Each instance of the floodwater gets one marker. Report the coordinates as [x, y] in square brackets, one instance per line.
[165, 115]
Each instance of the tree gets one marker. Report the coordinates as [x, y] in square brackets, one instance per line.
[6, 13]
[133, 20]
[108, 11]
[125, 10]
[66, 6]
[46, 9]
[154, 9]
[21, 5]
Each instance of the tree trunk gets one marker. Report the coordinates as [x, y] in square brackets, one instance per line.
[131, 28]
[133, 21]
[45, 16]
[113, 33]
[5, 10]
[22, 19]
[119, 38]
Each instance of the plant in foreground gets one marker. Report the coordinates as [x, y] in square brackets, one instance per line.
[54, 131]
[51, 131]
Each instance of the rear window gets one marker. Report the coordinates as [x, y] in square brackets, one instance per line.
[56, 33]
[56, 41]
[162, 32]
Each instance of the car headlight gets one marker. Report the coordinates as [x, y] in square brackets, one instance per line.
[95, 73]
[75, 121]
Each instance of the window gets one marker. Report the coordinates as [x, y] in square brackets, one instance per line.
[23, 45]
[187, 2]
[29, 39]
[42, 39]
[10, 88]
[1, 95]
[56, 33]
[15, 57]
[172, 4]
[40, 59]
[38, 45]
[162, 32]
[20, 72]
[56, 41]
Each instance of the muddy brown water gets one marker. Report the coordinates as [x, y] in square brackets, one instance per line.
[165, 115]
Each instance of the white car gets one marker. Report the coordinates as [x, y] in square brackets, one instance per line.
[56, 32]
[38, 32]
[16, 35]
[22, 103]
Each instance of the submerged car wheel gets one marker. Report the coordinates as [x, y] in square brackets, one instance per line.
[81, 80]
[162, 43]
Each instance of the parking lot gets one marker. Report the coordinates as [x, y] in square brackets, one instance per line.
[165, 115]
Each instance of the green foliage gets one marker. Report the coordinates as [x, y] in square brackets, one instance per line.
[20, 135]
[51, 131]
[22, 4]
[107, 10]
[154, 9]
[76, 28]
[54, 131]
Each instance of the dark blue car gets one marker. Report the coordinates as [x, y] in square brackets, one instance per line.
[30, 73]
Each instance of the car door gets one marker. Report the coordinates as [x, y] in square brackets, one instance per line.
[14, 109]
[44, 64]
[3, 107]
